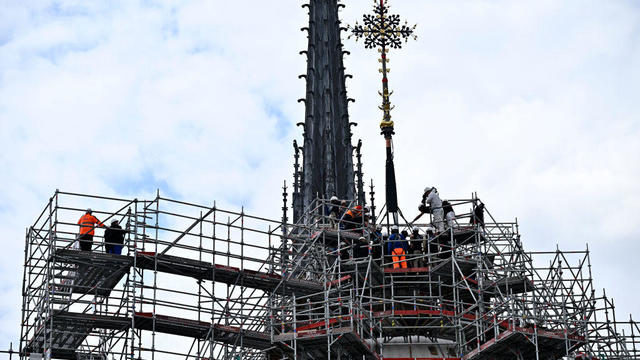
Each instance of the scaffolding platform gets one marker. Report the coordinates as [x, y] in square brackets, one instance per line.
[315, 341]
[69, 329]
[103, 271]
[460, 236]
[366, 270]
[440, 267]
[520, 342]
[92, 273]
[433, 322]
[512, 284]
[463, 235]
[332, 237]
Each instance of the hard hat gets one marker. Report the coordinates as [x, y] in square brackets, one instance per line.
[358, 207]
[415, 229]
[362, 238]
[89, 211]
[334, 198]
[378, 227]
[394, 227]
[429, 228]
[114, 222]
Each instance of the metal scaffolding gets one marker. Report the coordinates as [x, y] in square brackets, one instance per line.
[198, 272]
[201, 282]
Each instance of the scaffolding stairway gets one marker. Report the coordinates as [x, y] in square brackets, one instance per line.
[84, 272]
[103, 271]
[71, 328]
[93, 273]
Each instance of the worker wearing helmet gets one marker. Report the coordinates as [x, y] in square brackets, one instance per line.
[415, 247]
[333, 209]
[87, 223]
[431, 203]
[114, 238]
[431, 246]
[361, 248]
[353, 218]
[449, 214]
[377, 240]
[477, 215]
[397, 248]
[345, 249]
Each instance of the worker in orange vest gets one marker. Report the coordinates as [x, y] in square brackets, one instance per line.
[353, 218]
[88, 224]
[397, 248]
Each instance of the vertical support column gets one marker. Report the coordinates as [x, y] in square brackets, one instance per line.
[242, 313]
[213, 283]
[49, 287]
[155, 270]
[199, 283]
[227, 313]
[131, 286]
[26, 279]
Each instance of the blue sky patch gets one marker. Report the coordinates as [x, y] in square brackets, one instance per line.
[283, 125]
[144, 182]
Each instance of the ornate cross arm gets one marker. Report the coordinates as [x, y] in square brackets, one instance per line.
[382, 29]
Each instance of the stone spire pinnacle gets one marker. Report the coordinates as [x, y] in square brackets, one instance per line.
[327, 167]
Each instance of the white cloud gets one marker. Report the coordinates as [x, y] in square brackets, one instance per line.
[531, 104]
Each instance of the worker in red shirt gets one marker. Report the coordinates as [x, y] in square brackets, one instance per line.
[88, 224]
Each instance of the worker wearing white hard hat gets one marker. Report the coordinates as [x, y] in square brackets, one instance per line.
[334, 211]
[432, 203]
[361, 248]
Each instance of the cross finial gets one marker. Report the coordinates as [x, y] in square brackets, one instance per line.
[383, 31]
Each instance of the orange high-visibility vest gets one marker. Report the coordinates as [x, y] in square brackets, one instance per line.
[356, 212]
[88, 224]
[398, 258]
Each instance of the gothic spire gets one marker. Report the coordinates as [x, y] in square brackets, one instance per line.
[327, 150]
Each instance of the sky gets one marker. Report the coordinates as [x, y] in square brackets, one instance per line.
[532, 104]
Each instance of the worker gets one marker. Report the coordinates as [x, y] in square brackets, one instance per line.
[477, 217]
[376, 243]
[353, 218]
[366, 216]
[333, 209]
[361, 248]
[415, 247]
[114, 238]
[397, 248]
[87, 223]
[345, 249]
[449, 214]
[431, 246]
[431, 203]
